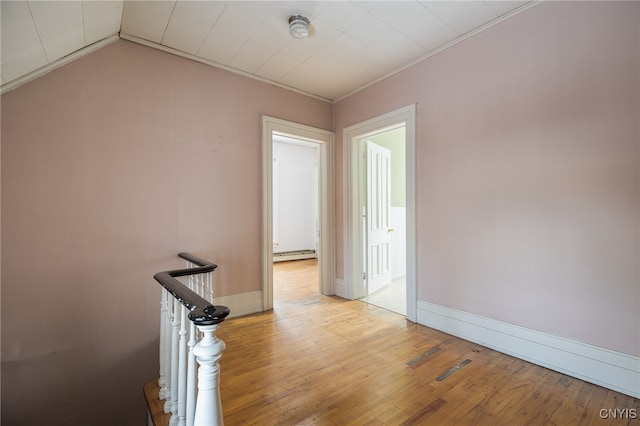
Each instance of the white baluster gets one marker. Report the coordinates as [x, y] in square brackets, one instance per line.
[167, 354]
[191, 359]
[182, 368]
[174, 362]
[198, 288]
[208, 351]
[162, 381]
[209, 288]
[192, 382]
[190, 282]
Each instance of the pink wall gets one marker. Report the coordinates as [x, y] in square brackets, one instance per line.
[528, 171]
[112, 165]
[528, 195]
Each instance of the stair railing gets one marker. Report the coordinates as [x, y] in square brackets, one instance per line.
[188, 321]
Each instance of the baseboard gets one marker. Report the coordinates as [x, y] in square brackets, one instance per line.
[610, 369]
[241, 304]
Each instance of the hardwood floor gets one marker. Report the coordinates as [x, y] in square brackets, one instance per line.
[317, 360]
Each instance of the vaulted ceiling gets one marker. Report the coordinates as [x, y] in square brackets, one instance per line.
[351, 45]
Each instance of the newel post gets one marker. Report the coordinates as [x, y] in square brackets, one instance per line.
[208, 351]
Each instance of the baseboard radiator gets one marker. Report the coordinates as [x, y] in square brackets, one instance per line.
[294, 255]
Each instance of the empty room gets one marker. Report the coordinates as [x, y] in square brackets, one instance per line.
[478, 162]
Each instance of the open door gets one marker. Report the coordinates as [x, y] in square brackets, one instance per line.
[355, 242]
[378, 236]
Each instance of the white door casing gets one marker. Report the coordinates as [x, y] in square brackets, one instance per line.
[326, 241]
[351, 286]
[378, 273]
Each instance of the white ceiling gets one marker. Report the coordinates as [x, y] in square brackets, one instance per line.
[352, 43]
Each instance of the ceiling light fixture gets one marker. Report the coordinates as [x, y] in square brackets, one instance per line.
[298, 26]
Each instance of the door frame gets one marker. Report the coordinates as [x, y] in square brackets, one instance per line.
[326, 241]
[353, 198]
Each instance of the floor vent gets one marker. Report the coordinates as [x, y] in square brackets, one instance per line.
[453, 370]
[417, 361]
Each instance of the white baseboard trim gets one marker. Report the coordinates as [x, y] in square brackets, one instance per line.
[610, 369]
[241, 304]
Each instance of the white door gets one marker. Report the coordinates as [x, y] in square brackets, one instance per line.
[378, 236]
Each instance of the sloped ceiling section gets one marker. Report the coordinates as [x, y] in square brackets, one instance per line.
[36, 34]
[351, 43]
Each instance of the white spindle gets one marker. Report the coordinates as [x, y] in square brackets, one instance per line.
[163, 318]
[191, 375]
[190, 282]
[208, 351]
[198, 288]
[174, 362]
[192, 382]
[208, 287]
[182, 368]
[168, 331]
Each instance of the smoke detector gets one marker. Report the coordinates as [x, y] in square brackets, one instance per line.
[298, 26]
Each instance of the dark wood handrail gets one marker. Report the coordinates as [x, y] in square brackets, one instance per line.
[201, 312]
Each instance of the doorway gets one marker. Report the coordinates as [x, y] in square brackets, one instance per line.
[384, 218]
[322, 141]
[357, 263]
[295, 218]
[295, 199]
